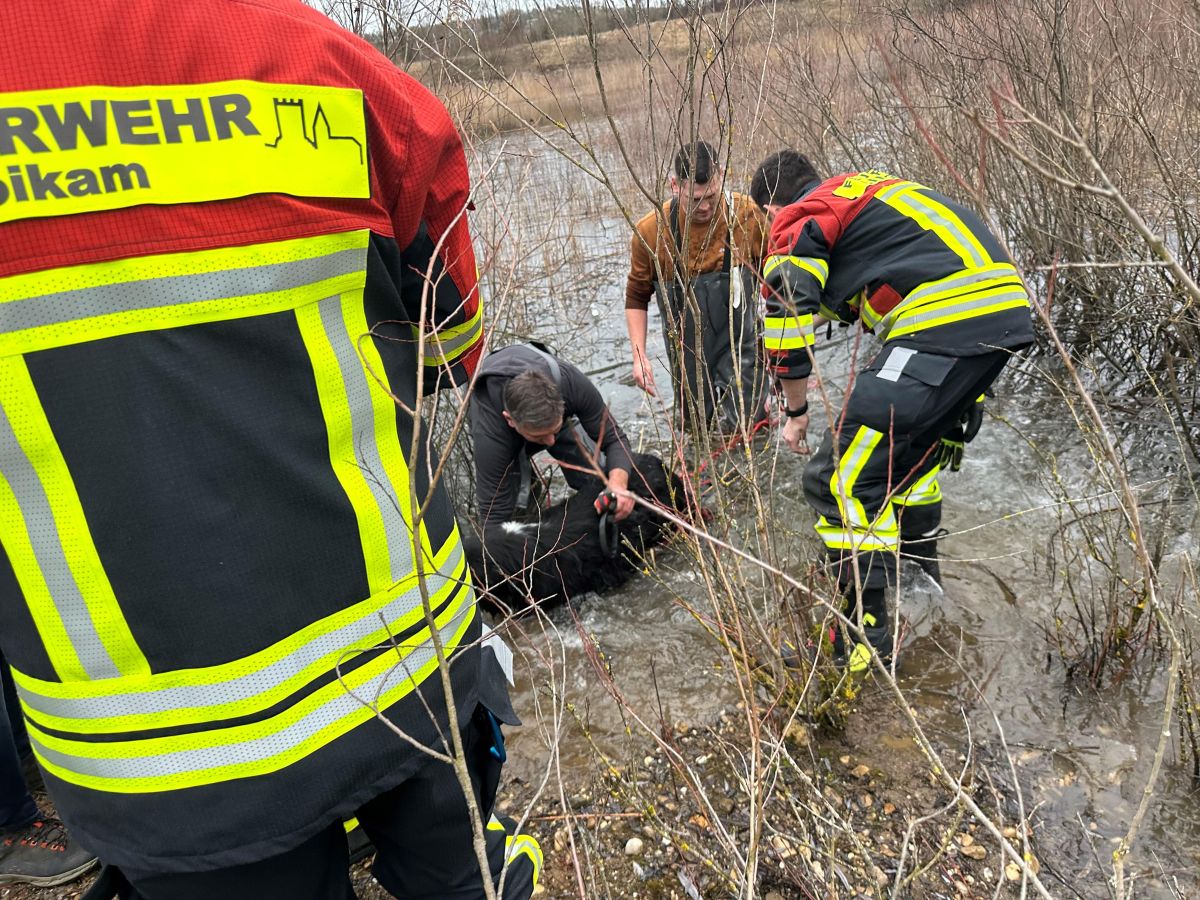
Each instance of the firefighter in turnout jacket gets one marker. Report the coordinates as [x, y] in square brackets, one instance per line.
[224, 567]
[927, 277]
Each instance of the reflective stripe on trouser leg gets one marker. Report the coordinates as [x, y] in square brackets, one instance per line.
[856, 531]
[924, 491]
[522, 859]
[860, 529]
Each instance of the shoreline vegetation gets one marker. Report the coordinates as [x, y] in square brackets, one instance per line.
[1071, 126]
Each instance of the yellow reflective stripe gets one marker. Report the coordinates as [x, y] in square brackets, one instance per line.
[963, 282]
[387, 449]
[350, 824]
[931, 215]
[180, 761]
[838, 537]
[244, 686]
[827, 314]
[924, 491]
[817, 268]
[96, 147]
[524, 845]
[973, 306]
[444, 345]
[360, 419]
[339, 427]
[860, 658]
[50, 544]
[932, 295]
[788, 332]
[74, 304]
[860, 530]
[849, 467]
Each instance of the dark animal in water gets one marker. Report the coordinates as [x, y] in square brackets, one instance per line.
[562, 554]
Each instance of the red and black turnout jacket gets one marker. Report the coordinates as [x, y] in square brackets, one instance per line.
[905, 261]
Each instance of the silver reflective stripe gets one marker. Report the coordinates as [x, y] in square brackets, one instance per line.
[256, 750]
[810, 265]
[924, 491]
[450, 346]
[848, 469]
[1001, 274]
[174, 290]
[242, 687]
[47, 546]
[950, 285]
[907, 194]
[362, 423]
[896, 361]
[968, 303]
[778, 334]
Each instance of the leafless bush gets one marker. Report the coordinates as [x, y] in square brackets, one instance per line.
[1070, 124]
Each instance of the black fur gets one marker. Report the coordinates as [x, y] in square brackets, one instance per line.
[560, 555]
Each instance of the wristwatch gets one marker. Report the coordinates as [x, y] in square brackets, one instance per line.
[796, 413]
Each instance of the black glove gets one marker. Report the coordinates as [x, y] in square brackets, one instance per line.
[972, 418]
[950, 450]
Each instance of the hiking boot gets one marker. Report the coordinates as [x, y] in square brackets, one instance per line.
[879, 641]
[42, 854]
[923, 550]
[876, 629]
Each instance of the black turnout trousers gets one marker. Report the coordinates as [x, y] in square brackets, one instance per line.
[884, 442]
[422, 836]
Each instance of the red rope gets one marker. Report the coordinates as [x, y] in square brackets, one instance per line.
[730, 444]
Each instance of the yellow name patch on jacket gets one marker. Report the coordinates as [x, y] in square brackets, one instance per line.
[84, 149]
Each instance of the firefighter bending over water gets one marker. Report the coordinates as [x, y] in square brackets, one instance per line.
[936, 287]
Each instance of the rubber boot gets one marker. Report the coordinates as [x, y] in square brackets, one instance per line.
[923, 550]
[876, 628]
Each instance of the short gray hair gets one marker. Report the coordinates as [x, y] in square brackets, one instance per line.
[533, 401]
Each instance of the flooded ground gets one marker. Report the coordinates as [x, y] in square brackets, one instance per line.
[974, 655]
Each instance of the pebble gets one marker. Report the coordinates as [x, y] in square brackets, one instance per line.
[634, 847]
[782, 848]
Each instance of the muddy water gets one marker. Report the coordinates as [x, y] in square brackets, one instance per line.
[1082, 757]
